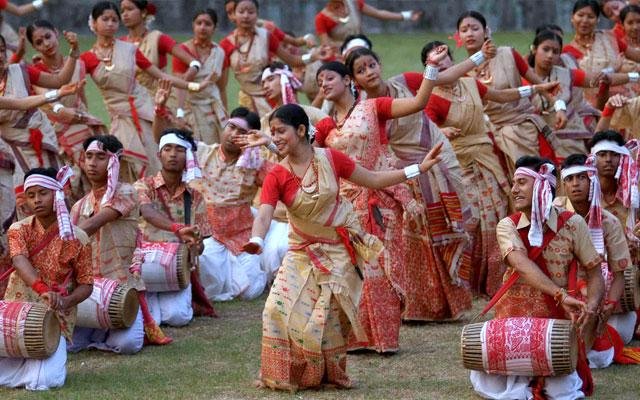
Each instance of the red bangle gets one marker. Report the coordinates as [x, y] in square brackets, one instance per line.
[175, 227]
[609, 301]
[608, 111]
[161, 111]
[40, 287]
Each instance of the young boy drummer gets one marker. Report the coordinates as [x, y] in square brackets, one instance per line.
[52, 261]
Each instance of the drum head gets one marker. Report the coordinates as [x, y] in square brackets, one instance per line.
[51, 333]
[630, 299]
[635, 278]
[130, 307]
[183, 266]
[565, 354]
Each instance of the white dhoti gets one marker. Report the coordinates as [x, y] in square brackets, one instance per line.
[489, 386]
[625, 324]
[171, 308]
[600, 359]
[276, 244]
[121, 341]
[35, 374]
[226, 276]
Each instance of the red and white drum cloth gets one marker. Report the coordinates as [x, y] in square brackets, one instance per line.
[517, 346]
[101, 295]
[163, 254]
[12, 319]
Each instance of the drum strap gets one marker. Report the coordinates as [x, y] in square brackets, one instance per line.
[534, 254]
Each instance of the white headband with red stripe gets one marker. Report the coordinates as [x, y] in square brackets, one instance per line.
[542, 199]
[62, 214]
[192, 169]
[113, 169]
[595, 208]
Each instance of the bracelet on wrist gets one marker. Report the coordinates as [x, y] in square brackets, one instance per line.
[175, 227]
[560, 105]
[477, 58]
[180, 113]
[40, 287]
[560, 296]
[611, 302]
[161, 111]
[37, 4]
[57, 107]
[195, 64]
[633, 77]
[406, 15]
[193, 86]
[525, 91]
[273, 148]
[306, 58]
[431, 73]
[608, 111]
[412, 171]
[52, 95]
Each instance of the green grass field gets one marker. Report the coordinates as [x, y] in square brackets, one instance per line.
[220, 358]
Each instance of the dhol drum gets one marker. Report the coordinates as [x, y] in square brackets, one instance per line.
[166, 266]
[29, 330]
[630, 299]
[110, 306]
[520, 346]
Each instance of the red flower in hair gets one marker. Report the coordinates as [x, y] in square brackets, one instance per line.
[457, 38]
[151, 9]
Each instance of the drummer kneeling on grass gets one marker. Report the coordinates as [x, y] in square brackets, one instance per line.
[52, 261]
[109, 214]
[173, 216]
[540, 243]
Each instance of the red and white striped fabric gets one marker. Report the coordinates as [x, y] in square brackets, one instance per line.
[12, 318]
[62, 213]
[542, 199]
[159, 268]
[595, 208]
[113, 169]
[100, 298]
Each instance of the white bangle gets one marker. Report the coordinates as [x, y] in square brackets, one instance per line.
[179, 113]
[431, 73]
[257, 240]
[406, 15]
[477, 58]
[195, 64]
[308, 37]
[57, 107]
[193, 86]
[608, 70]
[37, 4]
[560, 105]
[273, 148]
[51, 96]
[306, 58]
[525, 91]
[412, 171]
[633, 77]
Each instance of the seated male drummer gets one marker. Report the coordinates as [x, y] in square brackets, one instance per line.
[109, 215]
[164, 199]
[582, 187]
[52, 261]
[617, 173]
[540, 242]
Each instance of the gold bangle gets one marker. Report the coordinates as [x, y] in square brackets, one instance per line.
[193, 86]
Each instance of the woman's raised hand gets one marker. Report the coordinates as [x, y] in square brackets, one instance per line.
[71, 88]
[72, 39]
[253, 138]
[431, 159]
[489, 49]
[163, 92]
[438, 54]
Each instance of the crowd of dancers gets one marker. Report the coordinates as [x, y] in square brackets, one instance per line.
[383, 201]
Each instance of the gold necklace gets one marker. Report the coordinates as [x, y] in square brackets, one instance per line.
[311, 189]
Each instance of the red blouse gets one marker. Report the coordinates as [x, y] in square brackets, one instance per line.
[165, 46]
[3, 4]
[280, 184]
[325, 24]
[438, 107]
[228, 47]
[91, 60]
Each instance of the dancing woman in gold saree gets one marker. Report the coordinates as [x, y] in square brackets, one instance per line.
[313, 302]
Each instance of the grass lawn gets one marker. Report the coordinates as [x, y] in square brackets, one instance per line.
[219, 358]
